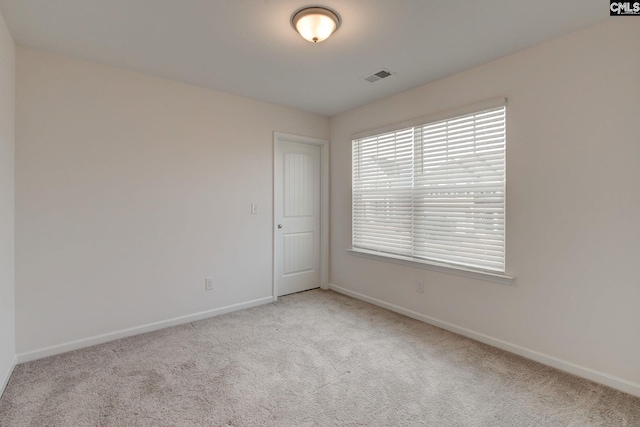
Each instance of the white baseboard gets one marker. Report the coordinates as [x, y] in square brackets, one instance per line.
[581, 371]
[7, 376]
[99, 339]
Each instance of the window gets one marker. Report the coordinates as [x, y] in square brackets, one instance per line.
[434, 192]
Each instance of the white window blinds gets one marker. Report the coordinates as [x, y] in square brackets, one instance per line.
[435, 191]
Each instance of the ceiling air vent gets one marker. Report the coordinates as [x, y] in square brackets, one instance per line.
[382, 74]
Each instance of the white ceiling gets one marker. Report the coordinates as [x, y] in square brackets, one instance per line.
[248, 48]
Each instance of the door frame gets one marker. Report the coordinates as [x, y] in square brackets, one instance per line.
[324, 206]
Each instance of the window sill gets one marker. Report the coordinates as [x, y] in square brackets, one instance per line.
[443, 268]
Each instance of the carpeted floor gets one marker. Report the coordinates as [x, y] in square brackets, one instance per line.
[313, 359]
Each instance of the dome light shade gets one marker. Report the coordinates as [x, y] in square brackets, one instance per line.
[315, 24]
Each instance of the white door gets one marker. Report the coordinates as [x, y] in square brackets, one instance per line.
[297, 216]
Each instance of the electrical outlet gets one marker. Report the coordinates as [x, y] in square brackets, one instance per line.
[420, 286]
[209, 284]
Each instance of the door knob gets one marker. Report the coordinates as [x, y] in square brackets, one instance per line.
[279, 225]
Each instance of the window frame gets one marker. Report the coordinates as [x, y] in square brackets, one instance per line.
[453, 268]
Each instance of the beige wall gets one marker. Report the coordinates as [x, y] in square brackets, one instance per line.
[573, 169]
[130, 191]
[7, 156]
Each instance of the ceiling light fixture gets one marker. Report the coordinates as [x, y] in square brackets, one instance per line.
[315, 24]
